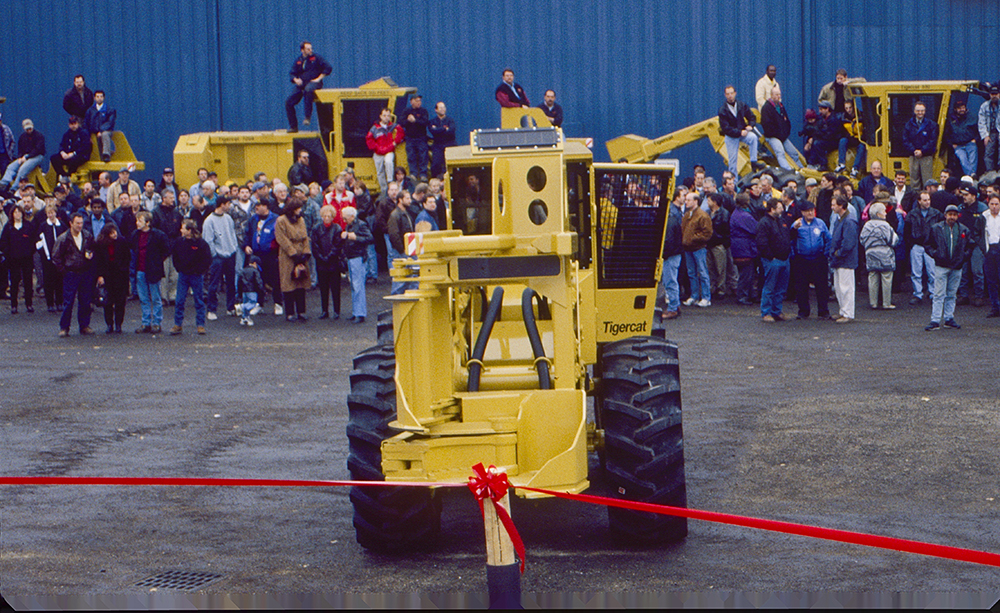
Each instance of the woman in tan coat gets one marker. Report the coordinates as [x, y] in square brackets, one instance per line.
[293, 258]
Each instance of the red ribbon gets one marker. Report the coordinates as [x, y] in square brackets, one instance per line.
[495, 485]
[489, 483]
[830, 534]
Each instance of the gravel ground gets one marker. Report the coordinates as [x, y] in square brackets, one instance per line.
[875, 426]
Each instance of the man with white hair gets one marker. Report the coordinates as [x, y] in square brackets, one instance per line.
[356, 237]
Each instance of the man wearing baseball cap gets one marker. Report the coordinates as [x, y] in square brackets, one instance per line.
[74, 150]
[123, 184]
[31, 152]
[949, 245]
[989, 126]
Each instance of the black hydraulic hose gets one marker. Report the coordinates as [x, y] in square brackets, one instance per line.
[476, 362]
[528, 314]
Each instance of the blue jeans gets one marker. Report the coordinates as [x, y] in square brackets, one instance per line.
[80, 287]
[306, 91]
[223, 270]
[149, 299]
[356, 269]
[859, 155]
[372, 262]
[919, 262]
[973, 270]
[416, 156]
[17, 171]
[733, 148]
[249, 302]
[784, 149]
[946, 282]
[397, 287]
[775, 286]
[671, 265]
[196, 283]
[697, 268]
[968, 157]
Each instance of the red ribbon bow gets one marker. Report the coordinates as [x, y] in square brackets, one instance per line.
[489, 483]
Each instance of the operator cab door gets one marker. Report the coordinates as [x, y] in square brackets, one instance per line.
[630, 216]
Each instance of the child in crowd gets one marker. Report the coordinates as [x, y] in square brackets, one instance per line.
[249, 284]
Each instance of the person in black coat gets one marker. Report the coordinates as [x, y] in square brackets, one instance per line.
[49, 229]
[192, 258]
[78, 98]
[17, 243]
[326, 243]
[736, 124]
[74, 150]
[112, 259]
[151, 248]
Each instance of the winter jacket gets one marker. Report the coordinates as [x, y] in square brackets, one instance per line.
[961, 130]
[260, 233]
[192, 256]
[922, 136]
[829, 92]
[30, 145]
[113, 260]
[775, 122]
[672, 238]
[442, 130]
[249, 280]
[326, 246]
[398, 226]
[696, 229]
[50, 234]
[76, 105]
[426, 217]
[989, 119]
[511, 96]
[917, 227]
[810, 240]
[100, 120]
[68, 258]
[18, 243]
[879, 240]
[8, 140]
[299, 174]
[358, 247]
[416, 129]
[844, 244]
[168, 220]
[157, 250]
[383, 139]
[720, 229]
[730, 125]
[77, 142]
[743, 235]
[773, 239]
[949, 246]
[308, 68]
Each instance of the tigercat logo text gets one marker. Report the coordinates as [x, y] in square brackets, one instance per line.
[615, 329]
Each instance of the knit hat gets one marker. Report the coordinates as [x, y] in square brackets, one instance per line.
[811, 114]
[951, 208]
[952, 183]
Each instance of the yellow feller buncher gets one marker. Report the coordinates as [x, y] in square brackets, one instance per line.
[539, 294]
[344, 117]
[883, 108]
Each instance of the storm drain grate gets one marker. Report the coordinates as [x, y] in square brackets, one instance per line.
[179, 580]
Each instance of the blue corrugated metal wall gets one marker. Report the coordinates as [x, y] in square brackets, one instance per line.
[645, 67]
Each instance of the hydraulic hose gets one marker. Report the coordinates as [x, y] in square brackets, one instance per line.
[528, 314]
[476, 362]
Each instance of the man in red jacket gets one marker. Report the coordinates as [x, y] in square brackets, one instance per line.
[382, 139]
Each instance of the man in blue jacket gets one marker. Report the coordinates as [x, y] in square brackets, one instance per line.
[920, 136]
[307, 74]
[262, 243]
[810, 241]
[100, 121]
[74, 150]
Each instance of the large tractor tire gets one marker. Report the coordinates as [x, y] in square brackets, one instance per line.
[383, 328]
[386, 519]
[640, 412]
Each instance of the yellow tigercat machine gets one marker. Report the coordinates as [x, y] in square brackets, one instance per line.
[539, 295]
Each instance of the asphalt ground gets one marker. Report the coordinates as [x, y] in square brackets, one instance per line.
[875, 426]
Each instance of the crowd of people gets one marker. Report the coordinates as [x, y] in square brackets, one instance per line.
[109, 243]
[969, 141]
[768, 243]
